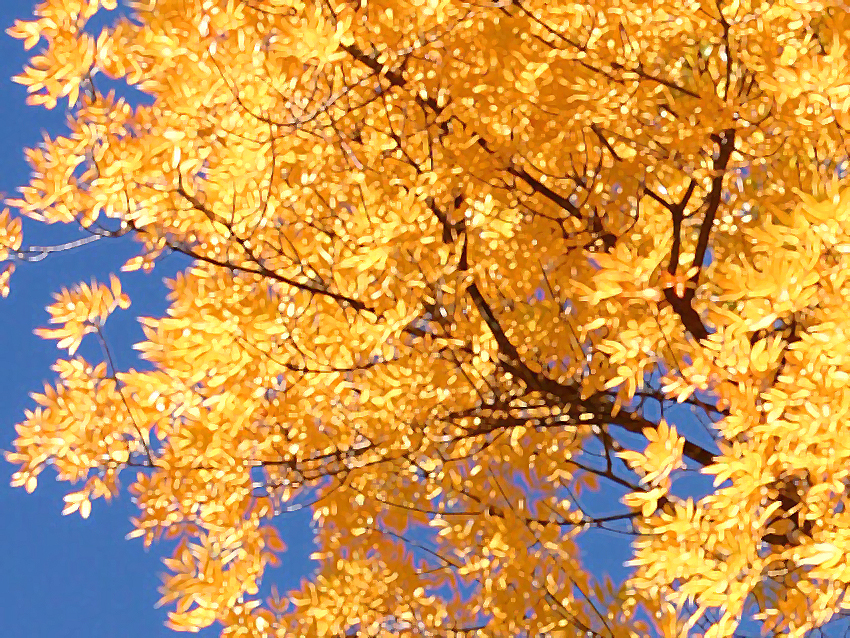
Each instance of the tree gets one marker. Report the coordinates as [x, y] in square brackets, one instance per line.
[453, 266]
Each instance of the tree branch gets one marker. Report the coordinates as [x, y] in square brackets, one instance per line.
[683, 306]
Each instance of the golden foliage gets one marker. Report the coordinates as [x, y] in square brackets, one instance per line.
[448, 260]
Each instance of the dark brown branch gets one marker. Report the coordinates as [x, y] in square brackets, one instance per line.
[683, 306]
[270, 274]
[601, 136]
[568, 397]
[430, 104]
[638, 70]
[678, 213]
[261, 269]
[113, 375]
[726, 140]
[541, 189]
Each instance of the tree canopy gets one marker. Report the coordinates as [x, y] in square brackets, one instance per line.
[472, 280]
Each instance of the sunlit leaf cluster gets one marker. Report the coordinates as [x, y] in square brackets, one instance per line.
[474, 282]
